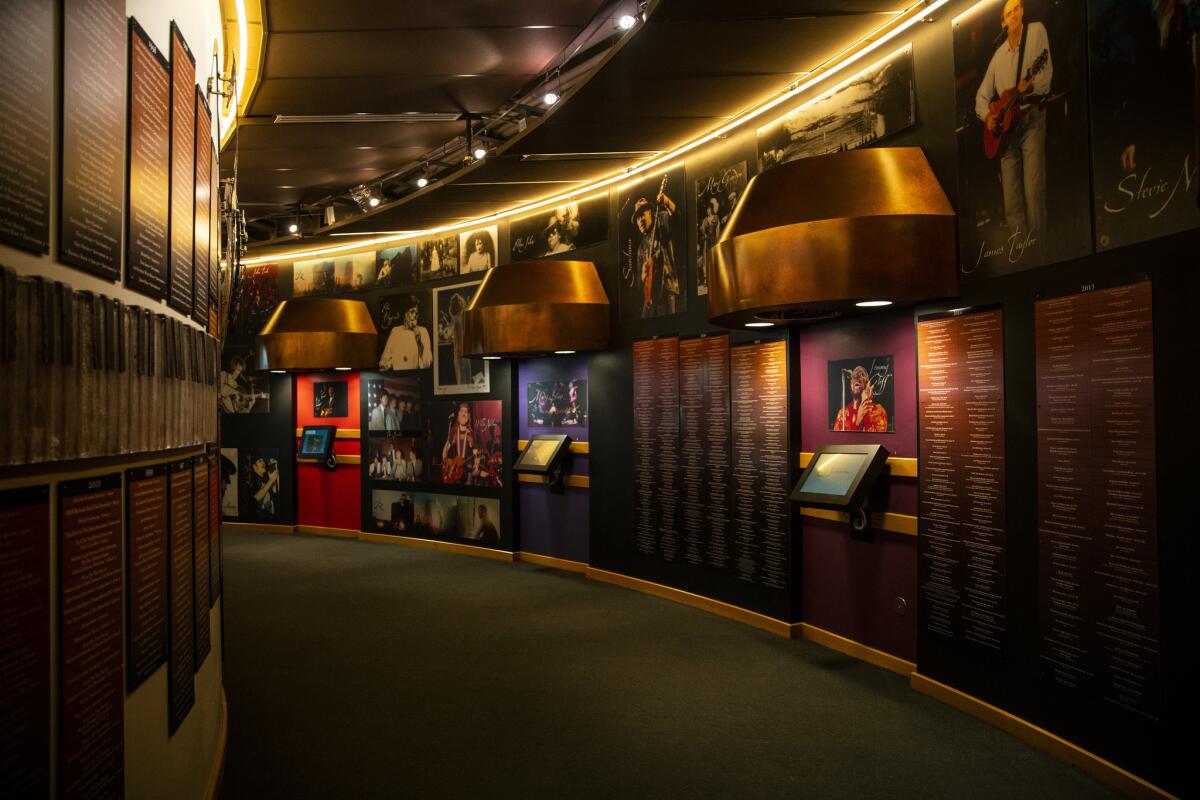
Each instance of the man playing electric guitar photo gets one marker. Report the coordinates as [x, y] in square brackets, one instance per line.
[1008, 104]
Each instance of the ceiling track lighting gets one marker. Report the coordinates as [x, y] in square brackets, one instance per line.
[626, 21]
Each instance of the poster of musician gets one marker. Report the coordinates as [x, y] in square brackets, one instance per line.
[478, 249]
[1143, 107]
[444, 516]
[871, 105]
[229, 482]
[454, 372]
[396, 458]
[315, 276]
[259, 479]
[258, 295]
[1021, 124]
[467, 443]
[354, 273]
[652, 242]
[862, 395]
[554, 231]
[243, 391]
[404, 322]
[394, 405]
[331, 399]
[392, 511]
[557, 404]
[437, 257]
[716, 196]
[397, 266]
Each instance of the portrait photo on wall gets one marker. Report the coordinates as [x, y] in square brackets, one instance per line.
[862, 397]
[559, 230]
[1143, 114]
[259, 479]
[242, 391]
[394, 405]
[315, 276]
[1021, 125]
[392, 511]
[650, 224]
[875, 103]
[257, 297]
[716, 196]
[229, 481]
[437, 257]
[467, 442]
[354, 273]
[445, 516]
[396, 458]
[331, 399]
[404, 321]
[397, 266]
[477, 251]
[453, 372]
[557, 404]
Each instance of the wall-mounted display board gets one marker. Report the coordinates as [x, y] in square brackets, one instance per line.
[183, 168]
[656, 447]
[25, 632]
[963, 518]
[651, 240]
[554, 231]
[92, 174]
[202, 241]
[201, 635]
[761, 472]
[149, 187]
[27, 64]
[214, 527]
[214, 238]
[146, 559]
[704, 449]
[1097, 501]
[181, 685]
[91, 651]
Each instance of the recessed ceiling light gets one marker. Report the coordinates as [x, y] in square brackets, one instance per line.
[285, 187]
[342, 369]
[564, 352]
[374, 201]
[422, 182]
[293, 228]
[279, 371]
[873, 303]
[550, 98]
[480, 152]
[491, 358]
[760, 324]
[626, 21]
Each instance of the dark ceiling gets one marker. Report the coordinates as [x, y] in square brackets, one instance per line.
[692, 65]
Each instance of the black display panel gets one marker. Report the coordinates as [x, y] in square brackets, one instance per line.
[183, 169]
[543, 453]
[202, 242]
[316, 441]
[149, 183]
[840, 476]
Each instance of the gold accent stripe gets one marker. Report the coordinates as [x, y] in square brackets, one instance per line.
[318, 530]
[1102, 770]
[856, 649]
[254, 527]
[881, 520]
[434, 544]
[580, 448]
[900, 467]
[218, 770]
[340, 433]
[551, 561]
[575, 481]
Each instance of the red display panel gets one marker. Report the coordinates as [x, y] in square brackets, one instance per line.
[146, 584]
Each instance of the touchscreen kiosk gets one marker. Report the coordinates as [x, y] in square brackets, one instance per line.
[316, 441]
[841, 476]
[543, 454]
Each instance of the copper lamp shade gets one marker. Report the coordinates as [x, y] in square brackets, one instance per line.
[537, 307]
[812, 237]
[318, 333]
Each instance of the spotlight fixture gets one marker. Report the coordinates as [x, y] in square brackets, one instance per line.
[550, 98]
[422, 182]
[626, 21]
[293, 228]
[374, 201]
[479, 153]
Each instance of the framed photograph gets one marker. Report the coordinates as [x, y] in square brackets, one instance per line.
[404, 321]
[397, 266]
[259, 479]
[716, 196]
[396, 458]
[650, 222]
[315, 276]
[478, 249]
[394, 405]
[559, 230]
[437, 257]
[467, 442]
[862, 395]
[331, 399]
[241, 391]
[258, 295]
[557, 404]
[354, 273]
[454, 373]
[229, 481]
[392, 511]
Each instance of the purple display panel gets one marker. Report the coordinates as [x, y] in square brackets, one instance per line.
[201, 505]
[656, 447]
[1097, 502]
[704, 449]
[181, 685]
[759, 426]
[146, 584]
[91, 649]
[963, 520]
[25, 633]
[27, 64]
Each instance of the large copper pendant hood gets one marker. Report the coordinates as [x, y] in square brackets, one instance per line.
[318, 333]
[813, 237]
[537, 307]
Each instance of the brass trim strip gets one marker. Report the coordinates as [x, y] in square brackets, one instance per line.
[218, 771]
[882, 520]
[900, 467]
[340, 433]
[254, 527]
[858, 650]
[551, 561]
[434, 544]
[319, 530]
[574, 481]
[1102, 770]
[579, 448]
[18, 476]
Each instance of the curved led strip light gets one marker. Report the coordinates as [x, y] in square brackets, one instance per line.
[229, 121]
[851, 55]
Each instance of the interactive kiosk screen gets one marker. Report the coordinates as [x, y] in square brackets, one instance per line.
[316, 441]
[840, 476]
[542, 453]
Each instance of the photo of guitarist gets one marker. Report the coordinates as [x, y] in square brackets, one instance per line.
[238, 393]
[1008, 103]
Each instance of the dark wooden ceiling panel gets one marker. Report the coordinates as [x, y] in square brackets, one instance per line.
[343, 15]
[282, 160]
[382, 95]
[327, 137]
[724, 11]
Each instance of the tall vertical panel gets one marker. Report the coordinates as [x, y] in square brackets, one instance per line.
[1097, 499]
[704, 449]
[183, 168]
[91, 651]
[202, 255]
[92, 177]
[963, 518]
[181, 683]
[656, 442]
[25, 634]
[201, 636]
[214, 240]
[214, 528]
[149, 191]
[146, 574]
[27, 64]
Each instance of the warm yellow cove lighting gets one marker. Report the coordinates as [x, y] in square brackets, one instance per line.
[868, 44]
[230, 111]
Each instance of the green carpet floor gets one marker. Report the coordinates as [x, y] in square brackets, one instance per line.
[373, 670]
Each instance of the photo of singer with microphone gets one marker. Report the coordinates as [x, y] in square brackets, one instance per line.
[861, 395]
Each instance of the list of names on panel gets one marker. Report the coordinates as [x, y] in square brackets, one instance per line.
[1097, 513]
[656, 446]
[704, 449]
[91, 653]
[181, 687]
[761, 514]
[146, 552]
[202, 635]
[214, 529]
[183, 166]
[149, 160]
[27, 64]
[963, 519]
